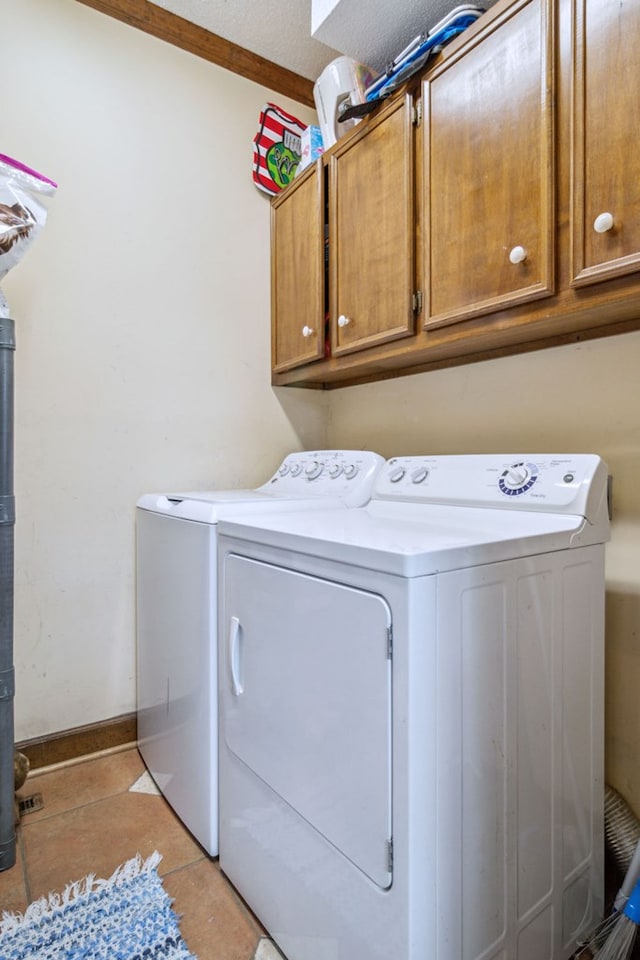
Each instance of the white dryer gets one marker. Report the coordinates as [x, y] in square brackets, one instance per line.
[177, 703]
[411, 713]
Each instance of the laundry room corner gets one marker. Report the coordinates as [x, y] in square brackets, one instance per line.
[142, 332]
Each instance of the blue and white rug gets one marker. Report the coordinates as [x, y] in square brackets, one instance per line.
[129, 915]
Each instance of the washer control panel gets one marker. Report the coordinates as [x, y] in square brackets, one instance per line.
[571, 483]
[340, 474]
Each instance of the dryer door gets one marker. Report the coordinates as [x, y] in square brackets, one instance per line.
[306, 699]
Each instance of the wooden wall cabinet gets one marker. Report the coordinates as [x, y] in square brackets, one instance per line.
[365, 278]
[606, 114]
[489, 170]
[371, 232]
[507, 221]
[298, 272]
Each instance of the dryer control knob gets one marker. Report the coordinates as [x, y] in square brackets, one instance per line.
[516, 475]
[419, 475]
[313, 470]
[396, 475]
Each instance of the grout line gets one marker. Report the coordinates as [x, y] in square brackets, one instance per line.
[25, 872]
[66, 811]
[185, 866]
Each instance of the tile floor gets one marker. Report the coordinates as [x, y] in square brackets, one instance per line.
[91, 822]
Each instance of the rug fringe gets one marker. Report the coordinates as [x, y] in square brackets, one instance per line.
[80, 888]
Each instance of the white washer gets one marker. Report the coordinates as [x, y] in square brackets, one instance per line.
[411, 713]
[177, 617]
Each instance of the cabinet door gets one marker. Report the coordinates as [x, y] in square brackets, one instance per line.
[297, 272]
[371, 237]
[489, 169]
[606, 117]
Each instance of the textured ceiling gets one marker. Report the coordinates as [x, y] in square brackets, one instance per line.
[280, 30]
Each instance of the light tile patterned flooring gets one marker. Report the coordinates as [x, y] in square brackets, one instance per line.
[91, 822]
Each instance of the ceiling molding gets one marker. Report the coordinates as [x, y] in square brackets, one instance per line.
[188, 36]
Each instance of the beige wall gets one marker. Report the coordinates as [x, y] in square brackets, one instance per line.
[143, 351]
[581, 398]
[142, 321]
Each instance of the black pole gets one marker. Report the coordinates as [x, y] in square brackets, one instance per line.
[7, 523]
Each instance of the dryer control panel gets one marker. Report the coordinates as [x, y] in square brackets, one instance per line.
[574, 484]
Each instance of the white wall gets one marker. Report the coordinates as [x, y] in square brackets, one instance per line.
[142, 323]
[579, 398]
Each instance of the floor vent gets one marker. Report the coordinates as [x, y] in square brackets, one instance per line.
[30, 804]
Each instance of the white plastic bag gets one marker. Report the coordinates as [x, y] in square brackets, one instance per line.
[22, 213]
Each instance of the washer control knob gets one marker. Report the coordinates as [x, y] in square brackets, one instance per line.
[350, 470]
[335, 470]
[284, 470]
[313, 470]
[396, 475]
[419, 475]
[296, 469]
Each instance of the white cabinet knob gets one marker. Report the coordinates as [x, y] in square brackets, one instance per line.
[307, 331]
[343, 321]
[518, 255]
[603, 223]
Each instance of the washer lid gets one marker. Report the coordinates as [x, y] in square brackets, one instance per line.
[210, 507]
[321, 479]
[413, 540]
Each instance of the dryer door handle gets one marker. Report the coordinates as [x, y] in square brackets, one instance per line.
[234, 655]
